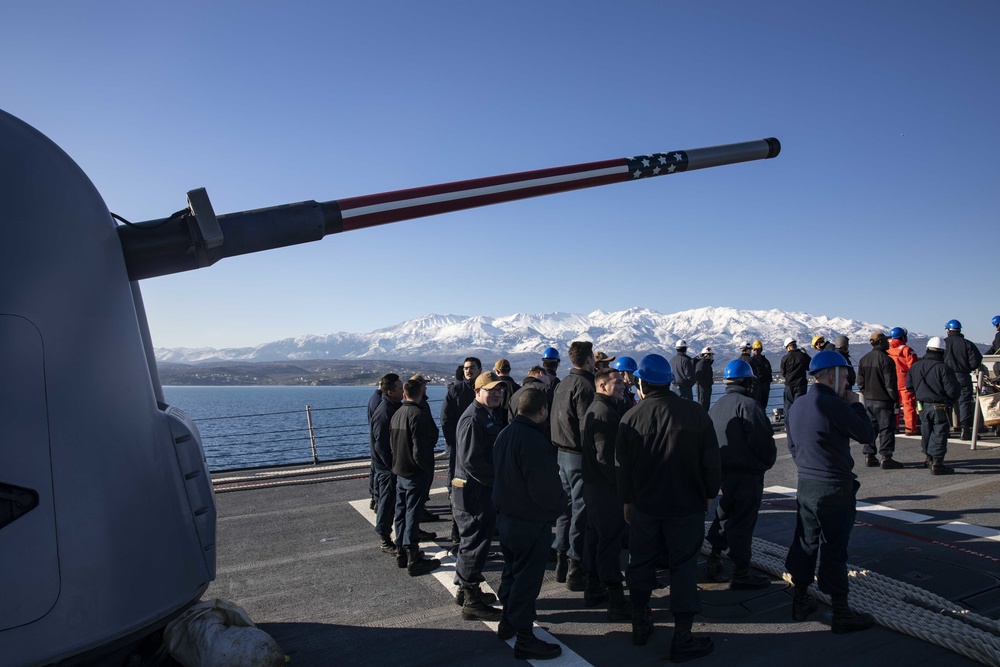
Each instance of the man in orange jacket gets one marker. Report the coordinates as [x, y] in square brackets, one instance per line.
[905, 357]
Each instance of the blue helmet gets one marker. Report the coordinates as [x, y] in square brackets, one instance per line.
[654, 369]
[898, 332]
[737, 369]
[953, 324]
[827, 359]
[625, 364]
[550, 353]
[996, 320]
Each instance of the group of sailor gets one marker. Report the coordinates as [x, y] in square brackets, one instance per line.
[638, 461]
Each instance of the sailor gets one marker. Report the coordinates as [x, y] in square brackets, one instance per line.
[842, 344]
[963, 358]
[472, 491]
[995, 347]
[936, 390]
[529, 497]
[602, 361]
[373, 402]
[794, 366]
[904, 357]
[627, 366]
[703, 377]
[607, 525]
[550, 362]
[746, 447]
[762, 371]
[460, 395]
[820, 427]
[682, 367]
[385, 481]
[502, 370]
[413, 435]
[425, 406]
[572, 398]
[819, 343]
[745, 351]
[538, 379]
[877, 383]
[668, 467]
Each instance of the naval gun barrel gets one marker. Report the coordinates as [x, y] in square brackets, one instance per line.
[198, 238]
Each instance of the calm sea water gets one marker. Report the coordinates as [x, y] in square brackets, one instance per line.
[244, 427]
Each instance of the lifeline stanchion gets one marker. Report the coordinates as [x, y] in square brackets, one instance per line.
[312, 434]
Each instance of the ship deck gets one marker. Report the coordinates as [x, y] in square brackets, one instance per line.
[299, 553]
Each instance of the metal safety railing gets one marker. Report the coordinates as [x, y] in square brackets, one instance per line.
[290, 437]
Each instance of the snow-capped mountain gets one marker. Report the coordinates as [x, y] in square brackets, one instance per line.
[520, 337]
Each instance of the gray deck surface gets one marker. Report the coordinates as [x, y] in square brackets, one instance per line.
[304, 562]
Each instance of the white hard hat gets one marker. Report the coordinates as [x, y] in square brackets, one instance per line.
[936, 343]
[788, 341]
[744, 344]
[681, 343]
[707, 350]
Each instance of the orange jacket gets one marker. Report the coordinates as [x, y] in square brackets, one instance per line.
[904, 356]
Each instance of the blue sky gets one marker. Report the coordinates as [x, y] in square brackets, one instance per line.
[882, 205]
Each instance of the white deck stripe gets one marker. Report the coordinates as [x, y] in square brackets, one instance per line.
[970, 529]
[880, 510]
[478, 192]
[446, 575]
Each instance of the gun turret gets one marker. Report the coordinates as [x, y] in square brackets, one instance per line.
[107, 519]
[197, 238]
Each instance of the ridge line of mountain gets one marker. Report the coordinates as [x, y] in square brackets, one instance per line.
[521, 337]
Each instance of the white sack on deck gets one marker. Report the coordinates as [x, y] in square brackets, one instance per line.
[217, 633]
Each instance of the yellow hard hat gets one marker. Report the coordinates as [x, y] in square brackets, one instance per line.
[818, 340]
[757, 345]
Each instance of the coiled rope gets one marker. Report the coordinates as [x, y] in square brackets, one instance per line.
[900, 606]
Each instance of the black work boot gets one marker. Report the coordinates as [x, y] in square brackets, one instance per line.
[576, 578]
[714, 570]
[595, 593]
[455, 537]
[562, 565]
[871, 461]
[642, 625]
[744, 579]
[417, 565]
[529, 647]
[802, 604]
[966, 433]
[939, 468]
[845, 619]
[387, 546]
[889, 463]
[928, 460]
[488, 598]
[403, 556]
[619, 607]
[685, 646]
[425, 535]
[474, 609]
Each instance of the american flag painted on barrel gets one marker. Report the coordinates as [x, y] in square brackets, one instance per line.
[378, 209]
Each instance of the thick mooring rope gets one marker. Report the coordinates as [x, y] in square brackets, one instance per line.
[901, 607]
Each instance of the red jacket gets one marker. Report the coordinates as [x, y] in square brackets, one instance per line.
[904, 356]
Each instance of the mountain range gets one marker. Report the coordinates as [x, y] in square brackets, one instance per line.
[521, 338]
